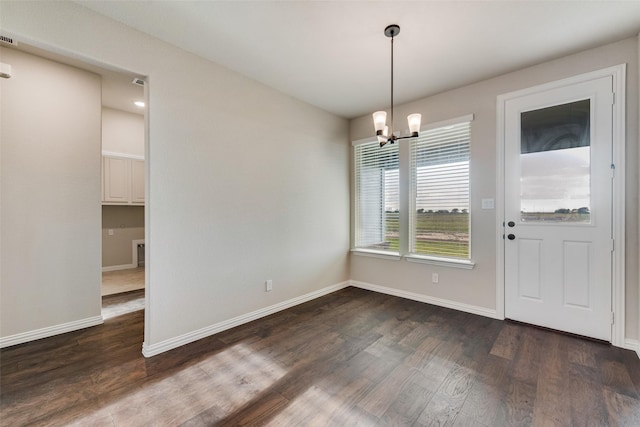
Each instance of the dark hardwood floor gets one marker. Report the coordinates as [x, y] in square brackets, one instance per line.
[350, 358]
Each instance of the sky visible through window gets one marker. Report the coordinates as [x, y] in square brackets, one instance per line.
[558, 179]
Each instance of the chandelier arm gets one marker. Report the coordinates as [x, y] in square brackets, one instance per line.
[413, 135]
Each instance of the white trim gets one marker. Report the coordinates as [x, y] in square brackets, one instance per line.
[499, 205]
[377, 254]
[618, 74]
[448, 122]
[364, 141]
[50, 331]
[618, 217]
[122, 155]
[466, 264]
[119, 267]
[467, 308]
[632, 345]
[166, 345]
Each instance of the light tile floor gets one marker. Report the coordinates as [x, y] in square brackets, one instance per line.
[115, 282]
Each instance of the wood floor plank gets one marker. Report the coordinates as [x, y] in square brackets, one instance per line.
[585, 397]
[440, 411]
[377, 401]
[528, 356]
[580, 352]
[483, 402]
[353, 357]
[488, 391]
[616, 377]
[259, 412]
[517, 407]
[405, 409]
[551, 387]
[464, 420]
[507, 342]
[622, 410]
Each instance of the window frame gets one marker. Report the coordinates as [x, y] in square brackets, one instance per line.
[413, 180]
[404, 196]
[378, 253]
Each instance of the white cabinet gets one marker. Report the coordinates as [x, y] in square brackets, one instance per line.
[115, 179]
[137, 181]
[122, 181]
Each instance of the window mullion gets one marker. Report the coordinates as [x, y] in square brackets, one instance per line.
[404, 198]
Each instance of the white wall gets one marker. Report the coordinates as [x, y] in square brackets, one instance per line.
[477, 287]
[122, 132]
[50, 193]
[245, 184]
[127, 225]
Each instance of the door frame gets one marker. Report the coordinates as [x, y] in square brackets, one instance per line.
[618, 74]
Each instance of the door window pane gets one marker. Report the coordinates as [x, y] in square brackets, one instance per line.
[555, 164]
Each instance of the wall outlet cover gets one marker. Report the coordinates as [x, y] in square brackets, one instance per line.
[488, 204]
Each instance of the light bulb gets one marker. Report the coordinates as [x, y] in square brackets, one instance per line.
[414, 122]
[379, 120]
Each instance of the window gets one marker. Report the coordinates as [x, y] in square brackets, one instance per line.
[412, 197]
[439, 192]
[377, 197]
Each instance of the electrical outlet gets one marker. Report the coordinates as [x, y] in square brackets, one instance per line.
[268, 285]
[488, 204]
[434, 277]
[110, 232]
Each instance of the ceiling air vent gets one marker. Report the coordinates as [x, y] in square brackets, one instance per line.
[8, 40]
[138, 81]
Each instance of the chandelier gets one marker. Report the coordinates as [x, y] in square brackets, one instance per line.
[383, 132]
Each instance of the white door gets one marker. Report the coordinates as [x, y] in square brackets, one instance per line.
[558, 206]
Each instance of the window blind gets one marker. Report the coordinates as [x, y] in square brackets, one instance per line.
[439, 199]
[376, 197]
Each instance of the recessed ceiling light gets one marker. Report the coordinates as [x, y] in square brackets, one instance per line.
[139, 103]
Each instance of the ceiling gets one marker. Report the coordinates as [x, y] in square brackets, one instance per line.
[333, 54]
[118, 91]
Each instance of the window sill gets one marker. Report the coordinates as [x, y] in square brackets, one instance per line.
[444, 262]
[376, 254]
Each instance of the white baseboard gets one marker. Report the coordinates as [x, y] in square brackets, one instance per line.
[632, 345]
[467, 308]
[50, 331]
[119, 267]
[161, 347]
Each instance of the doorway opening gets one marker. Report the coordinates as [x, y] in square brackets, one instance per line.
[122, 163]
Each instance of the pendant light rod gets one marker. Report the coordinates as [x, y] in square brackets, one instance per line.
[383, 132]
[393, 33]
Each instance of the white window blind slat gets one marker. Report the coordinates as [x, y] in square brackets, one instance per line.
[376, 196]
[439, 200]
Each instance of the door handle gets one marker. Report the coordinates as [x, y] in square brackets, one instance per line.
[511, 236]
[511, 224]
